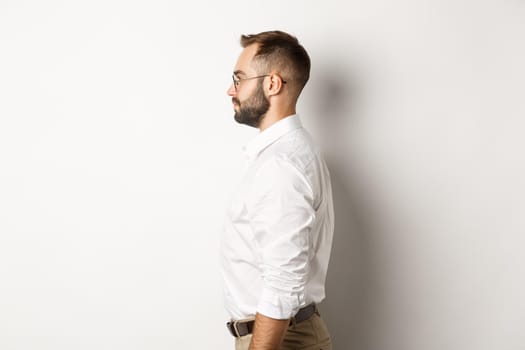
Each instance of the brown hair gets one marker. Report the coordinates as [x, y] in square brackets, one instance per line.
[282, 52]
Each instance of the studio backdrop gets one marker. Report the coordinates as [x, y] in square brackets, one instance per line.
[119, 153]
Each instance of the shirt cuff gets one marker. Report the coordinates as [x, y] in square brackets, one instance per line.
[280, 307]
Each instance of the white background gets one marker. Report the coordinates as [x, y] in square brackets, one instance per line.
[118, 153]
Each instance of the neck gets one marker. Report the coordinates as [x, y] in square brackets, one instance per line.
[273, 116]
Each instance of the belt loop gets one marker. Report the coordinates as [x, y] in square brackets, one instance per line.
[235, 329]
[293, 321]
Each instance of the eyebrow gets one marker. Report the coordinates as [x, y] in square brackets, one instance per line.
[238, 71]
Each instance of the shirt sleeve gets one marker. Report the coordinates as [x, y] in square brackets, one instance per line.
[281, 216]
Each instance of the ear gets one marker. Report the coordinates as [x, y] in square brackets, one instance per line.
[275, 84]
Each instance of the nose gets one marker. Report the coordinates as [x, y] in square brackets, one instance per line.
[231, 90]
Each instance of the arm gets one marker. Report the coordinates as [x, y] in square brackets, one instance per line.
[281, 218]
[268, 333]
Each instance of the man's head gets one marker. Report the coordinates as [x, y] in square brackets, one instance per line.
[269, 76]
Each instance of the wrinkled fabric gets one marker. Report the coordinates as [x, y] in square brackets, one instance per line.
[278, 230]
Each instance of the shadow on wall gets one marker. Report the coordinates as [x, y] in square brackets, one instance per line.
[345, 309]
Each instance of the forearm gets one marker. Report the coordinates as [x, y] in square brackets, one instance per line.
[268, 333]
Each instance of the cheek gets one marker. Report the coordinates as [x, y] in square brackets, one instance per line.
[242, 98]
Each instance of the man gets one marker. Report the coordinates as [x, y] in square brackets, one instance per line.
[278, 229]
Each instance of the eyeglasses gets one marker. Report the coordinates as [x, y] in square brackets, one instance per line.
[237, 81]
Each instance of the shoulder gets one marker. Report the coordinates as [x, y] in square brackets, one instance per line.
[295, 149]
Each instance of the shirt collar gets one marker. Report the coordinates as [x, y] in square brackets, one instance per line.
[271, 134]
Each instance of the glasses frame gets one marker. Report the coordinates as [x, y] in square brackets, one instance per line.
[237, 81]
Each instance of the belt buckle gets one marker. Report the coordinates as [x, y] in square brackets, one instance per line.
[240, 328]
[233, 330]
[233, 326]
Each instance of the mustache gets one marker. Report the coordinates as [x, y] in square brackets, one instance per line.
[234, 100]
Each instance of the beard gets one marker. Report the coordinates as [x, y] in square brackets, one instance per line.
[252, 111]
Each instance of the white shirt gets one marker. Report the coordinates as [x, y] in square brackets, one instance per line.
[278, 230]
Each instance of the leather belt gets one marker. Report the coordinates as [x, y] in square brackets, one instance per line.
[242, 328]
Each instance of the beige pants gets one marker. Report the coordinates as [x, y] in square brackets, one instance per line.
[310, 334]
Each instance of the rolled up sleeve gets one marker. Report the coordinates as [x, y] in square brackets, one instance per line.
[281, 218]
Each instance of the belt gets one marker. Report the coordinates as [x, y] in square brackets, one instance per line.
[242, 328]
